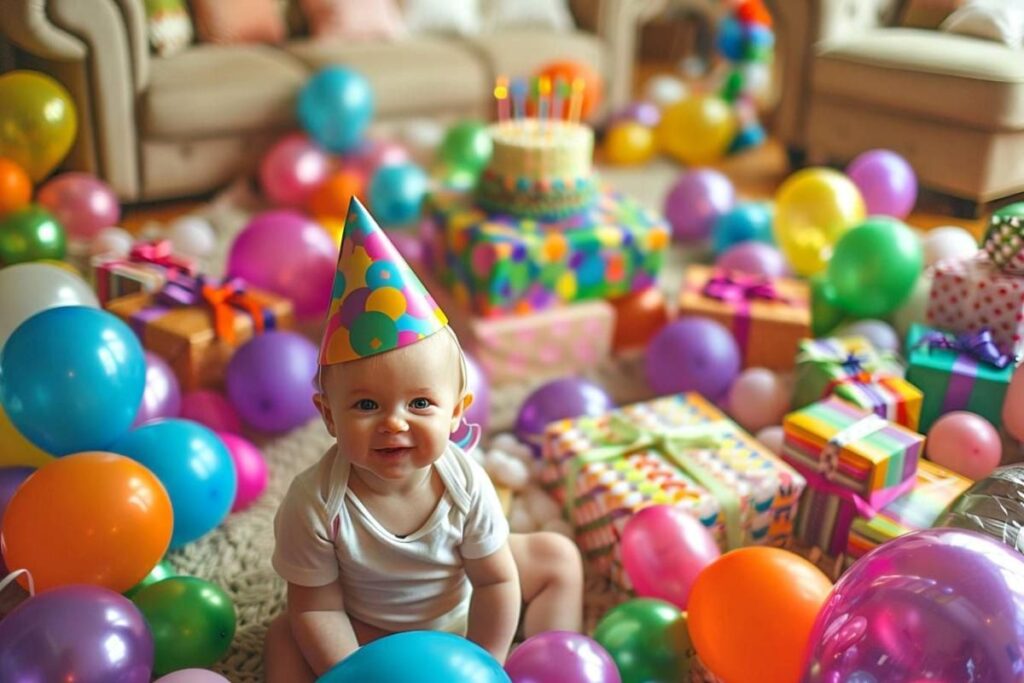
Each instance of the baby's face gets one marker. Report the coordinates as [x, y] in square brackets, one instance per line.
[393, 413]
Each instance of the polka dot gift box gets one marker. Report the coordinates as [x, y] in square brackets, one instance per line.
[1004, 242]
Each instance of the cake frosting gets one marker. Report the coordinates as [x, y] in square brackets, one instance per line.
[539, 169]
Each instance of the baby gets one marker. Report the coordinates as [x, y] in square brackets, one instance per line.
[396, 528]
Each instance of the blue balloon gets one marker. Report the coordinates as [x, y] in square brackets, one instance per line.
[71, 379]
[418, 657]
[731, 40]
[744, 222]
[194, 466]
[751, 136]
[335, 107]
[396, 193]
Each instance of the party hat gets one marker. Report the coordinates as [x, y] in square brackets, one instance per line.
[377, 304]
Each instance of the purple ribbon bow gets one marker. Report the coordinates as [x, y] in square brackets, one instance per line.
[977, 345]
[734, 287]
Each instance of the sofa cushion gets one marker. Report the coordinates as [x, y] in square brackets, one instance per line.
[213, 89]
[417, 75]
[934, 74]
[522, 51]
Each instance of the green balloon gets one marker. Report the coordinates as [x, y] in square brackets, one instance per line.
[31, 234]
[1011, 210]
[825, 311]
[192, 621]
[649, 641]
[161, 571]
[467, 145]
[875, 266]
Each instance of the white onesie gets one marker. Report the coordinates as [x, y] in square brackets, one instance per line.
[324, 533]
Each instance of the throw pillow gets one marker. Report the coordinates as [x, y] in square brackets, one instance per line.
[927, 13]
[460, 17]
[998, 20]
[168, 25]
[238, 21]
[353, 19]
[551, 14]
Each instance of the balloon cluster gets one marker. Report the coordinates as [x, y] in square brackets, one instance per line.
[746, 41]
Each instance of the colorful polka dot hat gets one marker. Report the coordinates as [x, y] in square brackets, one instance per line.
[377, 304]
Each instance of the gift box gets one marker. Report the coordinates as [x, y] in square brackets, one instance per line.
[935, 488]
[499, 265]
[775, 312]
[676, 450]
[196, 324]
[1004, 242]
[855, 463]
[957, 372]
[853, 370]
[144, 269]
[972, 294]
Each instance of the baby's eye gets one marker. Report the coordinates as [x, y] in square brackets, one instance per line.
[420, 403]
[366, 404]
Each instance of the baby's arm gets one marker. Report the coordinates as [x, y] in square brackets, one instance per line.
[494, 607]
[320, 625]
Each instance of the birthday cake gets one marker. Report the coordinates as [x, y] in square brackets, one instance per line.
[540, 169]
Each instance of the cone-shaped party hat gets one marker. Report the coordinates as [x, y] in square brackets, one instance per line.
[377, 304]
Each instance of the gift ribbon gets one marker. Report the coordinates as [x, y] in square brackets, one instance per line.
[673, 443]
[861, 380]
[740, 291]
[222, 299]
[972, 349]
[159, 253]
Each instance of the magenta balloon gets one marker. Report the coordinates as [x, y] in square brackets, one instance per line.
[287, 253]
[557, 400]
[696, 200]
[480, 410]
[756, 258]
[663, 550]
[935, 605]
[645, 113]
[250, 467]
[192, 676]
[886, 181]
[162, 395]
[561, 657]
[10, 480]
[83, 204]
[212, 409]
[693, 354]
[270, 381]
[292, 170]
[85, 634]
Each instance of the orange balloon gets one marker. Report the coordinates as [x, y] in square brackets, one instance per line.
[638, 317]
[569, 71]
[15, 186]
[95, 518]
[751, 612]
[331, 199]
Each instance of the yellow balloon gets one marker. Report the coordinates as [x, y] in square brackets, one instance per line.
[38, 121]
[629, 143]
[16, 450]
[813, 208]
[697, 130]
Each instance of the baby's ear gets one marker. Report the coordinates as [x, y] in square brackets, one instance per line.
[461, 407]
[325, 412]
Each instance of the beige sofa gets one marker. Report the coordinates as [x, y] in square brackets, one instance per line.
[156, 128]
[952, 105]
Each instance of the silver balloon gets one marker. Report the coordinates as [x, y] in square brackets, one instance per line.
[27, 288]
[994, 506]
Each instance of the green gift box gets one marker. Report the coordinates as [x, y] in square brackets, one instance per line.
[957, 372]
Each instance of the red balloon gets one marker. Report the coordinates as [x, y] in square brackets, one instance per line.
[638, 317]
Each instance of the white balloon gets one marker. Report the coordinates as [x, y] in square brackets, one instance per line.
[880, 333]
[27, 288]
[192, 236]
[664, 90]
[772, 438]
[113, 240]
[758, 398]
[949, 241]
[422, 137]
[913, 311]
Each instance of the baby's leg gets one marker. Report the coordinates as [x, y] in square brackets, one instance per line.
[551, 577]
[283, 660]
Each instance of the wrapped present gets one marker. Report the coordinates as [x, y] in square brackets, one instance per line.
[676, 450]
[957, 372]
[144, 269]
[774, 312]
[500, 265]
[853, 370]
[1004, 241]
[855, 463]
[972, 294]
[196, 324]
[935, 488]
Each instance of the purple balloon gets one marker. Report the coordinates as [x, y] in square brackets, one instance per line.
[557, 400]
[82, 203]
[693, 354]
[80, 633]
[696, 200]
[886, 182]
[192, 676]
[162, 395]
[480, 410]
[561, 657]
[269, 381]
[10, 480]
[212, 409]
[754, 257]
[643, 112]
[288, 254]
[936, 605]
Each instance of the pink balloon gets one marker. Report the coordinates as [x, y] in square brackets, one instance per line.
[966, 443]
[292, 170]
[80, 202]
[212, 409]
[663, 550]
[379, 153]
[192, 676]
[1013, 406]
[753, 257]
[251, 468]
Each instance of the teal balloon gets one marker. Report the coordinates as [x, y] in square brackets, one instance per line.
[826, 313]
[31, 234]
[418, 657]
[71, 379]
[747, 221]
[649, 641]
[467, 145]
[192, 622]
[335, 107]
[875, 266]
[162, 570]
[397, 192]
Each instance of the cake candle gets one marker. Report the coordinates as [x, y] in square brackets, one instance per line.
[576, 103]
[501, 95]
[560, 94]
[543, 97]
[518, 97]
